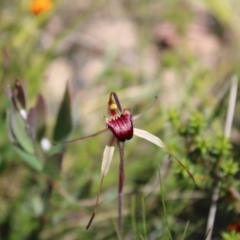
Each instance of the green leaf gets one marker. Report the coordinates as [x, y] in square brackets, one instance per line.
[36, 119]
[31, 123]
[30, 159]
[17, 131]
[41, 116]
[64, 120]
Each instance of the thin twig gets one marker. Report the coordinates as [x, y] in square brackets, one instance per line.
[227, 132]
[212, 211]
[231, 106]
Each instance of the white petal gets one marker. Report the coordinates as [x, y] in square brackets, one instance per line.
[23, 113]
[107, 158]
[148, 136]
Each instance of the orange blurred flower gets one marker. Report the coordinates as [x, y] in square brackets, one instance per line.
[234, 226]
[40, 6]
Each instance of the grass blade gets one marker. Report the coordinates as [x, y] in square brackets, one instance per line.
[185, 231]
[164, 207]
[117, 230]
[133, 217]
[144, 218]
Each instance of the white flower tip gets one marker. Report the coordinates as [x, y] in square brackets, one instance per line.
[45, 144]
[23, 113]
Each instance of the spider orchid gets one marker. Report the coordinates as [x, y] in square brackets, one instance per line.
[120, 123]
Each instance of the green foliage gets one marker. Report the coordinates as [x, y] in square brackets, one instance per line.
[208, 156]
[26, 131]
[64, 121]
[230, 235]
[229, 167]
[43, 197]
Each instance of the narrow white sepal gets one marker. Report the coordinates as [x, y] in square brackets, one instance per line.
[148, 136]
[107, 158]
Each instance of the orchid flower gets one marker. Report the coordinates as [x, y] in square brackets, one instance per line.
[120, 123]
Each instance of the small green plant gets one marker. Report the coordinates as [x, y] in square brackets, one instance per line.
[27, 129]
[210, 158]
[27, 133]
[230, 235]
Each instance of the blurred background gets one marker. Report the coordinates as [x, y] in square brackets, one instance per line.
[75, 53]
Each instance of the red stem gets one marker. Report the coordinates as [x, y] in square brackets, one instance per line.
[120, 186]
